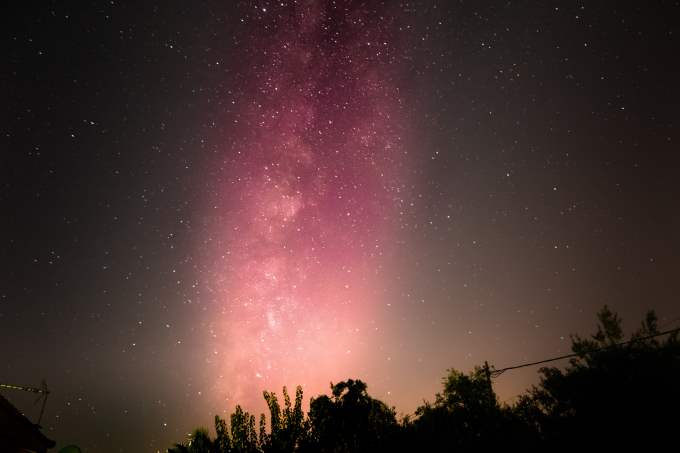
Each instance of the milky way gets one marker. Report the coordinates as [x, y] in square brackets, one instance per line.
[203, 200]
[306, 189]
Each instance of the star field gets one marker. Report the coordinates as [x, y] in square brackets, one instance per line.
[203, 201]
[305, 194]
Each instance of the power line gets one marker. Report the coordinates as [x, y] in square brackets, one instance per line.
[496, 373]
[669, 321]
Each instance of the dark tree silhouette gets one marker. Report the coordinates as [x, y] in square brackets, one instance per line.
[350, 421]
[243, 434]
[466, 416]
[287, 427]
[199, 442]
[614, 393]
[223, 442]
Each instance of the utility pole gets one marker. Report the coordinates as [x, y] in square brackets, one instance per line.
[487, 374]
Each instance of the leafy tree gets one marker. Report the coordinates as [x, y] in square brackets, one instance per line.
[287, 426]
[178, 448]
[615, 394]
[199, 442]
[223, 439]
[464, 416]
[243, 434]
[350, 421]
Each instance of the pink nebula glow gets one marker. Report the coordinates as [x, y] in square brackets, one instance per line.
[302, 219]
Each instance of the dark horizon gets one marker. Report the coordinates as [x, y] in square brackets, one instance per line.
[204, 201]
[616, 389]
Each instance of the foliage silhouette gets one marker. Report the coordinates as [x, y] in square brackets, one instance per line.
[466, 416]
[287, 427]
[350, 420]
[199, 442]
[614, 394]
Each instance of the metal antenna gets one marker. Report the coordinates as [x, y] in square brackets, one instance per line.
[43, 391]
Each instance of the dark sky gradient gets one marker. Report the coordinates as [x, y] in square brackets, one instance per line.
[201, 200]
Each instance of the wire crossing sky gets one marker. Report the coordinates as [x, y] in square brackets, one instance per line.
[204, 200]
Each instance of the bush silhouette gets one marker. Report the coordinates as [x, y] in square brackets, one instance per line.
[614, 393]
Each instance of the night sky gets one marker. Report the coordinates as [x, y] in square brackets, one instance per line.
[204, 200]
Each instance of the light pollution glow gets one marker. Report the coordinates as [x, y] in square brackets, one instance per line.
[303, 215]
